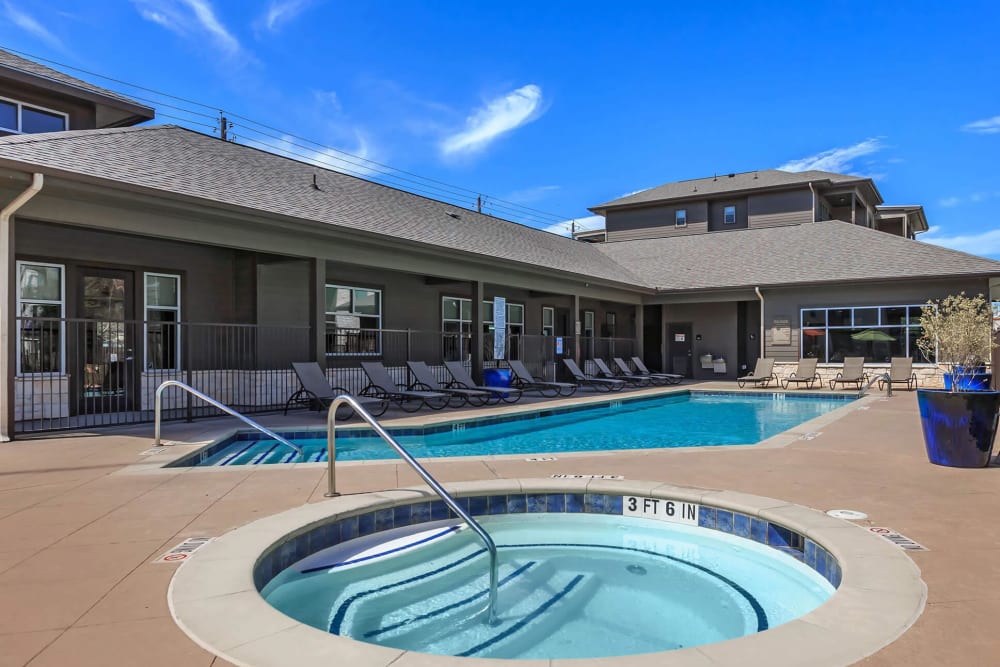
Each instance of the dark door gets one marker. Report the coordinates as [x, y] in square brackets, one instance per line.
[679, 348]
[105, 342]
[652, 337]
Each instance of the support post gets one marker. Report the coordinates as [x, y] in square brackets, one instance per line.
[576, 329]
[8, 328]
[477, 331]
[639, 331]
[317, 300]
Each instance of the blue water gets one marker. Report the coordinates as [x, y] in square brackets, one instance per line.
[686, 420]
[571, 586]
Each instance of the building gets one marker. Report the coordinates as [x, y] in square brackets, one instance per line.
[135, 254]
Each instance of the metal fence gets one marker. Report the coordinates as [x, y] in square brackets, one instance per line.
[74, 373]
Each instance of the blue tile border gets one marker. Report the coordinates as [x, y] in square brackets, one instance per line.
[735, 523]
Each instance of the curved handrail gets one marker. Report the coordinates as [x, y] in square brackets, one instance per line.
[876, 378]
[331, 439]
[211, 401]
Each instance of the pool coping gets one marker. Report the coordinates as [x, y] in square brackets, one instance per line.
[214, 599]
[158, 463]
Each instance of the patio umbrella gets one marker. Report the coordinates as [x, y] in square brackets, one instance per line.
[813, 332]
[873, 335]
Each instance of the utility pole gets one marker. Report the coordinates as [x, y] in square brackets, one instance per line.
[479, 203]
[572, 233]
[224, 126]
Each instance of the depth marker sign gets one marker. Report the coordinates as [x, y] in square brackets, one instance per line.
[901, 541]
[184, 550]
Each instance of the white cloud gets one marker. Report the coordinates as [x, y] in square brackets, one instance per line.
[497, 117]
[974, 198]
[30, 25]
[590, 223]
[949, 202]
[986, 243]
[984, 126]
[190, 17]
[280, 12]
[529, 195]
[328, 98]
[837, 160]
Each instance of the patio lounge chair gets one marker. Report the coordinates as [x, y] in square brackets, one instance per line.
[627, 375]
[900, 372]
[762, 374]
[601, 384]
[461, 378]
[804, 374]
[426, 381]
[316, 391]
[525, 381]
[667, 378]
[381, 385]
[852, 372]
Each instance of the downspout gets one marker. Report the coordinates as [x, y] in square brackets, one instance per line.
[761, 297]
[813, 191]
[7, 314]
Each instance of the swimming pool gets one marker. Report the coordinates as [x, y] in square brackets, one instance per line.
[684, 419]
[571, 586]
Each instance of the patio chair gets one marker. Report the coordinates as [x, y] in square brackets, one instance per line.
[461, 378]
[852, 372]
[762, 374]
[804, 374]
[600, 384]
[426, 381]
[900, 372]
[525, 381]
[317, 393]
[381, 385]
[667, 378]
[627, 375]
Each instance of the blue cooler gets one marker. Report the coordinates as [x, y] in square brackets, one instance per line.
[497, 377]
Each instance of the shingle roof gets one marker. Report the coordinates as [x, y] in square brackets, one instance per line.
[175, 160]
[815, 252]
[713, 185]
[13, 61]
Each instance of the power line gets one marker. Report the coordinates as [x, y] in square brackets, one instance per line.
[428, 186]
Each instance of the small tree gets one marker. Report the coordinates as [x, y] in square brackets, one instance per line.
[958, 332]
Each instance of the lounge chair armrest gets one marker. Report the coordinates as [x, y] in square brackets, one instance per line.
[416, 386]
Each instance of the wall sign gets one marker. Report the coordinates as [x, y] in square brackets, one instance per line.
[781, 331]
[679, 337]
[499, 327]
[661, 509]
[559, 344]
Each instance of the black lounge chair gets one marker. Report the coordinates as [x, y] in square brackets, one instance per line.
[381, 385]
[626, 376]
[426, 381]
[525, 381]
[666, 378]
[463, 380]
[900, 372]
[762, 374]
[600, 384]
[317, 393]
[804, 374]
[852, 372]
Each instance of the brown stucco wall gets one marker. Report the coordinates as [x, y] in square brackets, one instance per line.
[656, 221]
[716, 324]
[779, 208]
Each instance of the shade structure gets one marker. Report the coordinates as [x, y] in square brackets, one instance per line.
[873, 335]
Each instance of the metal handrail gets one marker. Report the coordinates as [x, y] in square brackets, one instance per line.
[158, 401]
[876, 378]
[331, 439]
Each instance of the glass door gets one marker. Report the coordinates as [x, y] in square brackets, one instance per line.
[106, 341]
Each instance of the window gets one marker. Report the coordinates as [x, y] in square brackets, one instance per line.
[163, 316]
[353, 320]
[729, 215]
[588, 324]
[22, 118]
[548, 321]
[610, 324]
[680, 218]
[456, 324]
[40, 307]
[876, 333]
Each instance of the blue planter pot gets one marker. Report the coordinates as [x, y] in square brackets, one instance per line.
[979, 381]
[959, 428]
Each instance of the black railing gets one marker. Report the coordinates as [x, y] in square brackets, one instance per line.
[75, 373]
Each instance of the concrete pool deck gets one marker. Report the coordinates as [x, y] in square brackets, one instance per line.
[81, 525]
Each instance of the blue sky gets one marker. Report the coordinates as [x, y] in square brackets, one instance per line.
[563, 105]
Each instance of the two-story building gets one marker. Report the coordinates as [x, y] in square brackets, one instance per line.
[131, 254]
